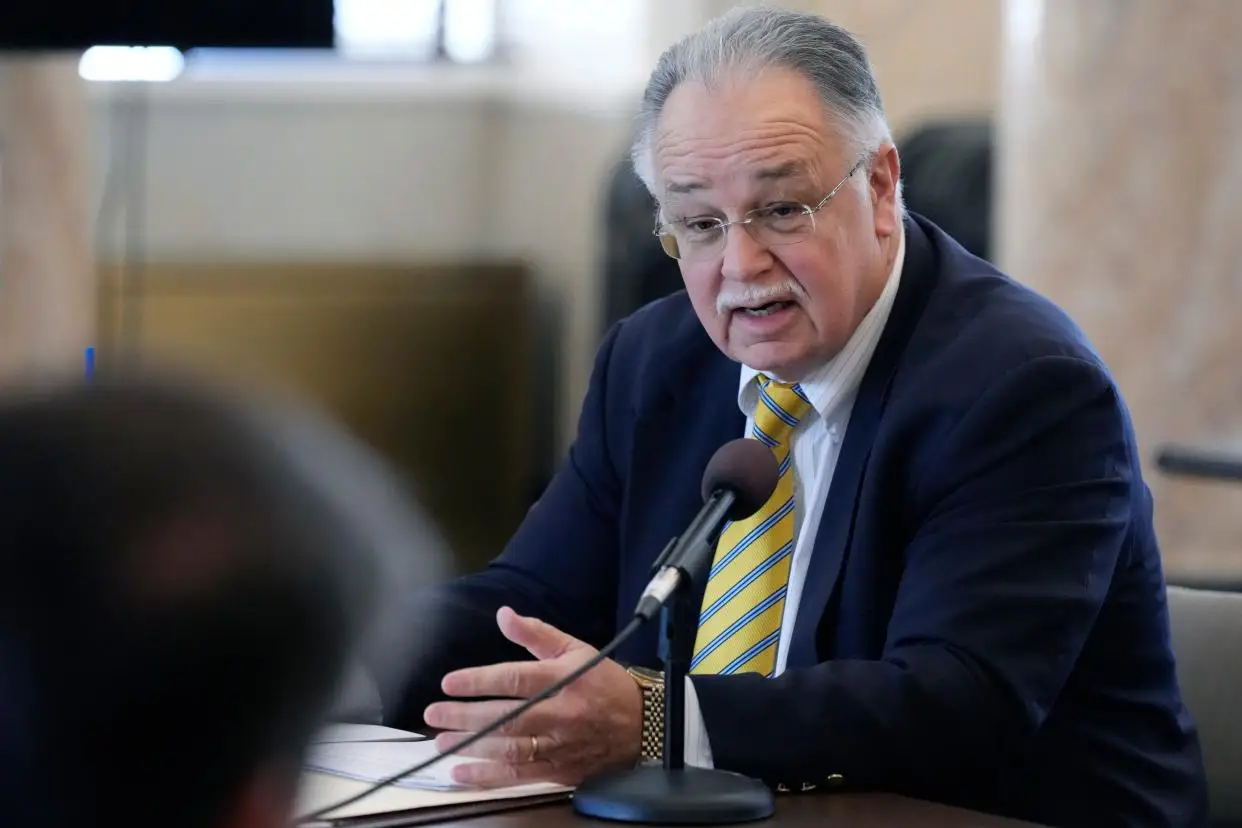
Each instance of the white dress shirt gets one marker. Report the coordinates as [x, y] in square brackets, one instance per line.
[816, 445]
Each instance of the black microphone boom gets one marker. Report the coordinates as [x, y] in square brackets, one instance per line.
[740, 478]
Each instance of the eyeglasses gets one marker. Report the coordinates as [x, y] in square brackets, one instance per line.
[771, 225]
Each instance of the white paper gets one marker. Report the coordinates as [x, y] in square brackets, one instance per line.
[318, 790]
[363, 733]
[373, 761]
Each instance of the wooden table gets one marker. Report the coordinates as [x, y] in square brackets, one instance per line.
[827, 810]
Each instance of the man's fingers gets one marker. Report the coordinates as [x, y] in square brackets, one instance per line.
[511, 760]
[472, 716]
[466, 716]
[512, 750]
[514, 680]
[497, 774]
[541, 639]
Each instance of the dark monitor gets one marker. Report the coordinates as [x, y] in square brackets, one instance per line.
[41, 26]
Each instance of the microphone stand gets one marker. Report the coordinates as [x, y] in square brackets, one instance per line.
[671, 793]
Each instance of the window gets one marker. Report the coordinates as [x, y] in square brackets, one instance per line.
[412, 28]
[386, 28]
[130, 63]
[599, 34]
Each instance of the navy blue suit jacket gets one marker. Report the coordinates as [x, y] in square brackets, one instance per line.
[983, 621]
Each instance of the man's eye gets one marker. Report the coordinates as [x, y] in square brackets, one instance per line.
[702, 225]
[782, 210]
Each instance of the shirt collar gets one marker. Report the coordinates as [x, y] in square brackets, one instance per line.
[836, 380]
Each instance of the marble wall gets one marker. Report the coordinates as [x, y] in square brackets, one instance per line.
[47, 301]
[1120, 122]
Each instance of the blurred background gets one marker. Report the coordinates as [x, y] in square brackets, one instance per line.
[427, 229]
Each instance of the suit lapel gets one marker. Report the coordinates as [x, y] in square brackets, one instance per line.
[837, 523]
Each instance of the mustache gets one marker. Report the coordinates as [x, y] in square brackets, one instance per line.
[752, 296]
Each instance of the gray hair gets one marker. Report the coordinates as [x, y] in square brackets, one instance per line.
[751, 39]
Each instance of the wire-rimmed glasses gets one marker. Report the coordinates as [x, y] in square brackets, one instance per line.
[786, 222]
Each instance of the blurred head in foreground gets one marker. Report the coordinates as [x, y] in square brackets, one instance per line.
[184, 577]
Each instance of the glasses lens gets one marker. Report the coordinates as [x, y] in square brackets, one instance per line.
[783, 225]
[774, 226]
[669, 243]
[696, 243]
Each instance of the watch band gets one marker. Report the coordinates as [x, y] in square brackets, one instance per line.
[651, 684]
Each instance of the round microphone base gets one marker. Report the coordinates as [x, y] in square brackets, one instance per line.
[690, 796]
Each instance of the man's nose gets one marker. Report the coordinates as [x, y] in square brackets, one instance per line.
[744, 258]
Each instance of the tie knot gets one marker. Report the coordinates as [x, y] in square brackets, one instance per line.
[780, 407]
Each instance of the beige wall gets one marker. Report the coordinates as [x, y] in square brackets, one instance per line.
[406, 169]
[931, 57]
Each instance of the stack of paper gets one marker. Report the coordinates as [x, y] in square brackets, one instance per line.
[345, 759]
[375, 760]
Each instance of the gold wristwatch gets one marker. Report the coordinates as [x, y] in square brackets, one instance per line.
[651, 683]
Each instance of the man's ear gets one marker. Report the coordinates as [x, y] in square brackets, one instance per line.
[266, 800]
[884, 179]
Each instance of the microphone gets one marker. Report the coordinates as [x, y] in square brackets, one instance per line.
[739, 479]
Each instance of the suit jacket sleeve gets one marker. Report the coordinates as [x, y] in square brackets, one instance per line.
[560, 566]
[1025, 515]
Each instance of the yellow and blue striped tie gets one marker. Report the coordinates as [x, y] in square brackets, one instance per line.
[740, 623]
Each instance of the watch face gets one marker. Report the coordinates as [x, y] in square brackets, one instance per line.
[645, 675]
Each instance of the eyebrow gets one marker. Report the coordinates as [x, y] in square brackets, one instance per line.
[790, 169]
[683, 187]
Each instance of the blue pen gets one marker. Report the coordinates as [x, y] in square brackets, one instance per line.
[90, 362]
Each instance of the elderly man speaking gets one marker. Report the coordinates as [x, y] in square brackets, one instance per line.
[955, 592]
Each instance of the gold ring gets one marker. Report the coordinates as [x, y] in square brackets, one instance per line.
[534, 747]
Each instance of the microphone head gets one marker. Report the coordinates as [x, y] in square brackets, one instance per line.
[748, 469]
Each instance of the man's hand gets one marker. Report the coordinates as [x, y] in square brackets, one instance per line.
[592, 726]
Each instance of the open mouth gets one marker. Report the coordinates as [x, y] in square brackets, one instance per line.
[766, 310]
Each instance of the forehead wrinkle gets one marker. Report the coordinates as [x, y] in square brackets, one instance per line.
[692, 158]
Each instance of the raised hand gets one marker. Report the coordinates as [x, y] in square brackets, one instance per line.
[590, 727]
